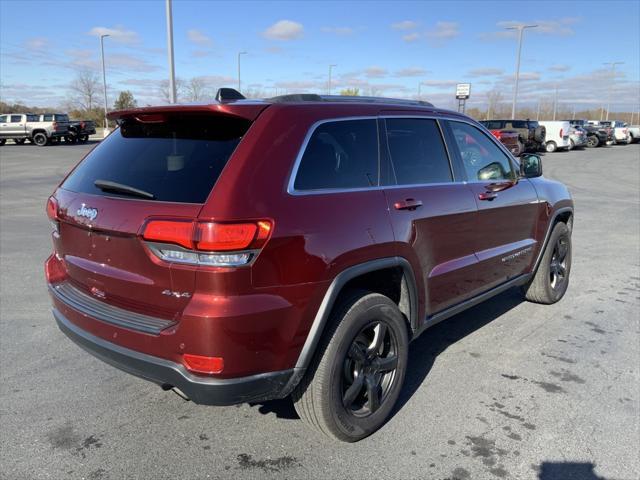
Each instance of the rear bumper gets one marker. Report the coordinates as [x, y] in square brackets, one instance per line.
[201, 390]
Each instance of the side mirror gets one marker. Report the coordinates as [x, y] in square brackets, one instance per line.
[530, 165]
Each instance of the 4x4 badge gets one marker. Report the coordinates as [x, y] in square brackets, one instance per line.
[87, 212]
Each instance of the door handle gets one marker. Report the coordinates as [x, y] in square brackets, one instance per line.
[487, 195]
[408, 204]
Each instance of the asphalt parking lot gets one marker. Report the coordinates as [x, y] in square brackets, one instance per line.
[505, 390]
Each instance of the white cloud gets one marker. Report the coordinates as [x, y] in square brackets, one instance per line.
[284, 30]
[375, 72]
[341, 31]
[485, 72]
[559, 68]
[411, 72]
[405, 25]
[36, 43]
[119, 34]
[411, 37]
[199, 38]
[443, 31]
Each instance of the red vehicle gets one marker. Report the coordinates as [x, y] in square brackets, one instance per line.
[250, 250]
[509, 139]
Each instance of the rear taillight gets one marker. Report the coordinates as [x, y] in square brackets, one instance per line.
[221, 244]
[82, 125]
[52, 213]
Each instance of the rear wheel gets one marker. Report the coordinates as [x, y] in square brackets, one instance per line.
[551, 280]
[2, 141]
[551, 147]
[357, 373]
[70, 139]
[40, 139]
[592, 141]
[83, 138]
[19, 141]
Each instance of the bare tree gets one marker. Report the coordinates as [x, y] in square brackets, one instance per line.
[197, 90]
[85, 89]
[165, 94]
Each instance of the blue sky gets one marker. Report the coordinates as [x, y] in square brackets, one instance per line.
[384, 48]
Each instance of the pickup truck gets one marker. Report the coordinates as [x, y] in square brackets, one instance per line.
[39, 129]
[620, 131]
[596, 136]
[511, 140]
[79, 130]
[634, 133]
[531, 134]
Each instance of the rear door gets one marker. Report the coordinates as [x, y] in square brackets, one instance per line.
[433, 213]
[172, 162]
[16, 125]
[507, 205]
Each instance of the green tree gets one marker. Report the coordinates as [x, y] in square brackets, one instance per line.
[125, 101]
[350, 92]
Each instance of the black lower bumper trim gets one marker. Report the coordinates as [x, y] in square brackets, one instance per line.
[201, 390]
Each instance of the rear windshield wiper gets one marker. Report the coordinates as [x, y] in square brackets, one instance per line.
[108, 186]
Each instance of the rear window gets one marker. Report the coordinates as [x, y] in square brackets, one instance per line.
[340, 154]
[178, 160]
[492, 124]
[61, 118]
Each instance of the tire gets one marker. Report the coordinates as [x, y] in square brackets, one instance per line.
[330, 397]
[572, 145]
[19, 141]
[40, 139]
[551, 280]
[2, 141]
[83, 138]
[551, 147]
[70, 139]
[592, 141]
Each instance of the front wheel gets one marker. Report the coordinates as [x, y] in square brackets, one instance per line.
[358, 370]
[551, 280]
[592, 141]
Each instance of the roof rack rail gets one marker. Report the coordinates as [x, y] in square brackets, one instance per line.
[312, 97]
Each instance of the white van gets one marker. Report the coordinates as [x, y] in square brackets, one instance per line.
[557, 135]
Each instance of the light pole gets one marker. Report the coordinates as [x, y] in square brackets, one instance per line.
[613, 79]
[539, 105]
[329, 83]
[104, 84]
[520, 29]
[420, 89]
[239, 82]
[555, 103]
[172, 69]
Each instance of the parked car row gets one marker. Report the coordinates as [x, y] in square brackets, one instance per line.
[43, 129]
[521, 136]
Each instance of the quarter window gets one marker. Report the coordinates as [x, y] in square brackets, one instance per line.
[417, 153]
[340, 154]
[481, 157]
[47, 118]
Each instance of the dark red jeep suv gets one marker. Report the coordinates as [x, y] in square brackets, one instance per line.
[242, 251]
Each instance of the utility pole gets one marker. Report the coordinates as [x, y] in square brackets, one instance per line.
[520, 29]
[329, 83]
[172, 69]
[613, 79]
[539, 105]
[239, 83]
[104, 84]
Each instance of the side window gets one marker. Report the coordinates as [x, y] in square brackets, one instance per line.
[417, 153]
[340, 154]
[482, 159]
[16, 118]
[3, 119]
[32, 118]
[47, 118]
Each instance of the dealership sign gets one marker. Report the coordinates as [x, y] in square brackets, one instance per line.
[463, 91]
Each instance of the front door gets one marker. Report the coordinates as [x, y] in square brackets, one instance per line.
[508, 206]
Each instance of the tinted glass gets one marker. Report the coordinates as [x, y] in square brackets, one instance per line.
[517, 124]
[16, 118]
[47, 118]
[178, 160]
[416, 151]
[3, 118]
[340, 154]
[32, 118]
[493, 125]
[61, 118]
[482, 159]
